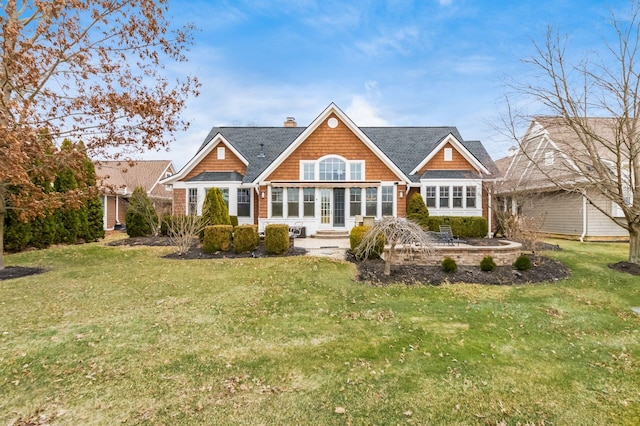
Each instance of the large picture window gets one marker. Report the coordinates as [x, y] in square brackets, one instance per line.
[387, 200]
[244, 202]
[293, 202]
[276, 202]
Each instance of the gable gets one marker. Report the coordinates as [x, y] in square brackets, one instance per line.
[211, 163]
[438, 161]
[340, 141]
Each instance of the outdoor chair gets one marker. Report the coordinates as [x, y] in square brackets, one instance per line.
[447, 234]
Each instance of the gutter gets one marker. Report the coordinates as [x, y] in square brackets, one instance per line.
[584, 218]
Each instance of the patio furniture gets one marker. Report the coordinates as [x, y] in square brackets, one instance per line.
[447, 235]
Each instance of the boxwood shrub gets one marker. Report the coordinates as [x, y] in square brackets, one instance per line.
[245, 238]
[276, 238]
[461, 226]
[449, 265]
[217, 238]
[487, 264]
[522, 263]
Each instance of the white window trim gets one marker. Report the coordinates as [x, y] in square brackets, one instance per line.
[453, 211]
[348, 163]
[220, 153]
[448, 154]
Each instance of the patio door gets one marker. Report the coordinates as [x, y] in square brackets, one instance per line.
[325, 207]
[338, 207]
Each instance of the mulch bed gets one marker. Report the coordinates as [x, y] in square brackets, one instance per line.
[630, 268]
[11, 272]
[543, 270]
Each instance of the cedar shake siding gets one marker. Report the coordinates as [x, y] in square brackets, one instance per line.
[340, 141]
[231, 163]
[458, 162]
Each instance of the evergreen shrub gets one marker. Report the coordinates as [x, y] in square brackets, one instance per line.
[461, 226]
[355, 238]
[522, 263]
[139, 214]
[217, 238]
[449, 265]
[276, 238]
[417, 211]
[245, 238]
[487, 264]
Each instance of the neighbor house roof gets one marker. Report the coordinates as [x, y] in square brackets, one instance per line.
[121, 177]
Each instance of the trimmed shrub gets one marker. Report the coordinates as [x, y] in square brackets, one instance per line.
[487, 264]
[276, 238]
[139, 214]
[522, 263]
[245, 238]
[355, 238]
[418, 212]
[217, 238]
[449, 265]
[95, 219]
[462, 226]
[234, 220]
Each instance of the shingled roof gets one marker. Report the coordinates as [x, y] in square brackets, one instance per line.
[406, 147]
[123, 177]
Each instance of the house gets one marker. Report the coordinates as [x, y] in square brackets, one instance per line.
[119, 179]
[330, 174]
[572, 207]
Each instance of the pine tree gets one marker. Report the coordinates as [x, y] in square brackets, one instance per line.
[418, 212]
[140, 213]
[214, 209]
[67, 217]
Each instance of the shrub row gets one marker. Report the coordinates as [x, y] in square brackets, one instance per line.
[462, 226]
[245, 238]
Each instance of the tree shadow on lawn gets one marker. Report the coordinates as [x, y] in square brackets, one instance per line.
[11, 272]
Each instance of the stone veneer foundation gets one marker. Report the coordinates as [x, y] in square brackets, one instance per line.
[504, 254]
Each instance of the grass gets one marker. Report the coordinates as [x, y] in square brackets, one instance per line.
[120, 335]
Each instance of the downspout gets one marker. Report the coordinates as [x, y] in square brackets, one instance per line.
[584, 218]
[490, 212]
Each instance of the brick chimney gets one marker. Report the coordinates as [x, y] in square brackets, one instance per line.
[290, 122]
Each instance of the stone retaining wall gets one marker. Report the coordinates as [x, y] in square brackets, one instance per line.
[504, 254]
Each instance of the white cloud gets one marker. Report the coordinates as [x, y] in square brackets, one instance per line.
[400, 41]
[445, 2]
[364, 114]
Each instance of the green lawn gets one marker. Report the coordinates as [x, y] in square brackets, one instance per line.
[120, 335]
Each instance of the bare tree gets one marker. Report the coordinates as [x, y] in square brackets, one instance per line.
[598, 158]
[89, 70]
[183, 231]
[400, 234]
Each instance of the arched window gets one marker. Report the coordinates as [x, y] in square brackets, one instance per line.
[332, 169]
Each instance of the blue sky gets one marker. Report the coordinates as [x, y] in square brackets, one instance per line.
[386, 63]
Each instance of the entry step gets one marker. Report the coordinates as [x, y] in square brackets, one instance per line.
[330, 234]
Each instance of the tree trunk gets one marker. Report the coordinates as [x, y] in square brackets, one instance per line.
[3, 210]
[387, 261]
[634, 244]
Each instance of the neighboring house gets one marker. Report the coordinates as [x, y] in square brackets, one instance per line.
[329, 175]
[120, 178]
[573, 211]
